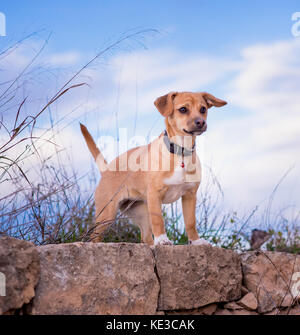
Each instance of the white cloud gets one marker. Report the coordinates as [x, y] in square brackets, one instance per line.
[64, 59]
[253, 151]
[269, 78]
[154, 73]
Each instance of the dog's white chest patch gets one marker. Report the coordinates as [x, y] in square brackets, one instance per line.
[177, 186]
[177, 178]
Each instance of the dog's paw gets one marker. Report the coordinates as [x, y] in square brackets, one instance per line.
[162, 240]
[200, 241]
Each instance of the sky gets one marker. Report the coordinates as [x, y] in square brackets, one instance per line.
[241, 51]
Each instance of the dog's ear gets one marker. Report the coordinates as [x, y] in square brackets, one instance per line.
[164, 104]
[213, 101]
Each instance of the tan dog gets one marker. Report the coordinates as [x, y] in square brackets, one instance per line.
[139, 181]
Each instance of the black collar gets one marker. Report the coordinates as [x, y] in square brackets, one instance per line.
[177, 149]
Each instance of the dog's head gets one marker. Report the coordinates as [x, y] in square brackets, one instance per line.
[186, 112]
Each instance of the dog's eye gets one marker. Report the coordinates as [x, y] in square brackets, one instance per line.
[183, 110]
[202, 110]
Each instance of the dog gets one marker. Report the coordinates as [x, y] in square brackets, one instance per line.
[140, 180]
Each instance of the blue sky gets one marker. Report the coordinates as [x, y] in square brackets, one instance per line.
[240, 51]
[211, 25]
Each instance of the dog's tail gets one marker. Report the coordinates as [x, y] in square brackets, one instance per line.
[99, 159]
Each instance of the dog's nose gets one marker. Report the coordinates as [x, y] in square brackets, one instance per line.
[199, 123]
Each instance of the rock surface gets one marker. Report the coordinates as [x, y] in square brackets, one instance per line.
[268, 275]
[232, 306]
[205, 310]
[20, 269]
[96, 278]
[249, 302]
[194, 276]
[125, 278]
[291, 311]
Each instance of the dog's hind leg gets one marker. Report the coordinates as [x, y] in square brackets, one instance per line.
[138, 214]
[105, 215]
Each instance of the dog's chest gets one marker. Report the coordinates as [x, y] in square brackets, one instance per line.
[177, 186]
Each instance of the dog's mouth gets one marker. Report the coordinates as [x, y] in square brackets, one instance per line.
[196, 132]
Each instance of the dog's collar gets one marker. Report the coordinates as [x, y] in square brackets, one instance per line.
[177, 149]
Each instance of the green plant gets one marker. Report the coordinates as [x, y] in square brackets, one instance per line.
[173, 226]
[287, 240]
[122, 231]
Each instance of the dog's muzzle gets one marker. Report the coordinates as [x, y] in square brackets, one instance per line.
[199, 127]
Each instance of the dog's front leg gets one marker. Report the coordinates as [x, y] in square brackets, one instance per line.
[189, 214]
[156, 219]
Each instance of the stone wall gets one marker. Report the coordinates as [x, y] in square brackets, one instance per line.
[125, 278]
